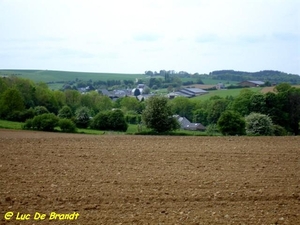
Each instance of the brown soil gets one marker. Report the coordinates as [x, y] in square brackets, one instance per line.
[150, 179]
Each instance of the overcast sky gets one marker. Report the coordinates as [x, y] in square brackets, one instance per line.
[136, 35]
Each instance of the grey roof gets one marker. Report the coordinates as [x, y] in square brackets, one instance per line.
[195, 90]
[187, 125]
[256, 82]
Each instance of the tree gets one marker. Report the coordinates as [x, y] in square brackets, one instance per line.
[231, 123]
[293, 108]
[65, 112]
[72, 99]
[39, 110]
[130, 104]
[182, 106]
[215, 107]
[282, 87]
[259, 124]
[82, 117]
[137, 92]
[257, 103]
[200, 116]
[242, 102]
[158, 115]
[146, 90]
[11, 101]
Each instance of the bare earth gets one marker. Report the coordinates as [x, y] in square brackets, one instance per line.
[149, 179]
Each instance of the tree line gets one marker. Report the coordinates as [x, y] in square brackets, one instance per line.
[23, 100]
[265, 75]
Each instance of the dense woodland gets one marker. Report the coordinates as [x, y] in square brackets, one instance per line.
[22, 99]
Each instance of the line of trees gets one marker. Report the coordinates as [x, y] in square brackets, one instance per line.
[22, 99]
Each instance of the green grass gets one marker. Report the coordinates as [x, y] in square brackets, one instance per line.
[222, 93]
[10, 125]
[54, 76]
[209, 81]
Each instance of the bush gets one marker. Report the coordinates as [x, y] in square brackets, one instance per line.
[101, 121]
[259, 124]
[109, 120]
[279, 130]
[67, 125]
[45, 122]
[231, 123]
[82, 116]
[117, 121]
[212, 129]
[28, 124]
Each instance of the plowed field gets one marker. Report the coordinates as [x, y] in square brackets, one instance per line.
[122, 179]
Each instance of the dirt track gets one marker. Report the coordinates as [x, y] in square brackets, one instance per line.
[149, 179]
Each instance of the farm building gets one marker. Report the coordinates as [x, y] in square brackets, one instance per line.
[188, 92]
[251, 83]
[187, 125]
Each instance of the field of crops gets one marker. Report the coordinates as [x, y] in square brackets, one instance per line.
[54, 178]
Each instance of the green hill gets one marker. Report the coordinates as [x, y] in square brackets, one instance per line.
[265, 75]
[49, 76]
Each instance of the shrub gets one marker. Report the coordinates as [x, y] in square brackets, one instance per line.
[101, 121]
[279, 130]
[231, 123]
[45, 122]
[259, 124]
[28, 124]
[67, 125]
[109, 120]
[211, 129]
[117, 121]
[82, 116]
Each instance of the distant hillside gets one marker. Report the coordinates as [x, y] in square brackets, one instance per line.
[265, 75]
[51, 76]
[57, 79]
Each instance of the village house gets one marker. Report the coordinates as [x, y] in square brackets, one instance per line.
[187, 125]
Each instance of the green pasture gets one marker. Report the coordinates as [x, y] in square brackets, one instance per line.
[223, 93]
[208, 80]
